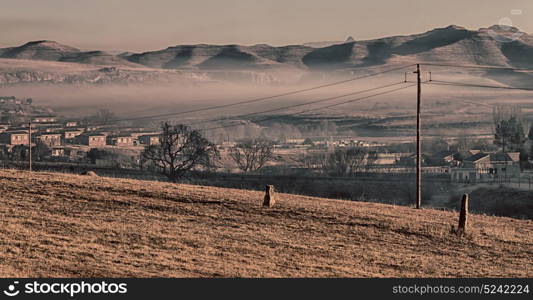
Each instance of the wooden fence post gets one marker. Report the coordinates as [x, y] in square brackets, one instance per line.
[463, 215]
[269, 196]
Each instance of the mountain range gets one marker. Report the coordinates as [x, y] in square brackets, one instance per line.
[496, 45]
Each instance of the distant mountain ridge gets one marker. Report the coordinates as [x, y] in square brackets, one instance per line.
[456, 44]
[452, 43]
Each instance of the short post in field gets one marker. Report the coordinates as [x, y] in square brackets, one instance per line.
[463, 215]
[269, 196]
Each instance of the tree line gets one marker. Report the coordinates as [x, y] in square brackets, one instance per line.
[182, 150]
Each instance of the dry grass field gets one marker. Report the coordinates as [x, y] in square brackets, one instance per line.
[80, 226]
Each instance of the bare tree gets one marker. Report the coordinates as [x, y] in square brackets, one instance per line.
[181, 150]
[509, 134]
[102, 116]
[18, 153]
[312, 160]
[41, 151]
[105, 116]
[252, 154]
[371, 158]
[348, 161]
[504, 112]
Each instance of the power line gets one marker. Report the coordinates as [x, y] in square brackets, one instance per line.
[262, 98]
[478, 67]
[295, 105]
[440, 82]
[316, 109]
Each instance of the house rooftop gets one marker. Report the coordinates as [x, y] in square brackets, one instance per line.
[49, 133]
[444, 154]
[476, 157]
[123, 135]
[507, 156]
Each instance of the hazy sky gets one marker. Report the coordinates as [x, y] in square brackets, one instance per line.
[140, 25]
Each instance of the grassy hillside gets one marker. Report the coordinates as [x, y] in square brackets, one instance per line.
[79, 226]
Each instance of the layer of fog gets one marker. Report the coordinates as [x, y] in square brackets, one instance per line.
[149, 99]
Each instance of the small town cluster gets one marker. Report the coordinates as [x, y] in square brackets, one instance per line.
[56, 139]
[466, 166]
[61, 140]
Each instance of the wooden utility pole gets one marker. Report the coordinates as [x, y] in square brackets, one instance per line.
[29, 145]
[418, 142]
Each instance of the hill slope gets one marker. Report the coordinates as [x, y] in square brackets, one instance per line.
[74, 226]
[53, 51]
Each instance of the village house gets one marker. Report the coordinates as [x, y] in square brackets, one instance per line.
[388, 158]
[465, 175]
[92, 139]
[443, 158]
[294, 141]
[69, 136]
[71, 124]
[49, 139]
[58, 151]
[479, 161]
[474, 168]
[505, 164]
[120, 140]
[42, 124]
[14, 138]
[44, 119]
[14, 100]
[137, 134]
[92, 128]
[485, 166]
[8, 99]
[53, 129]
[150, 139]
[4, 127]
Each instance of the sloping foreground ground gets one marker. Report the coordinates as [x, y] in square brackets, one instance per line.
[79, 226]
